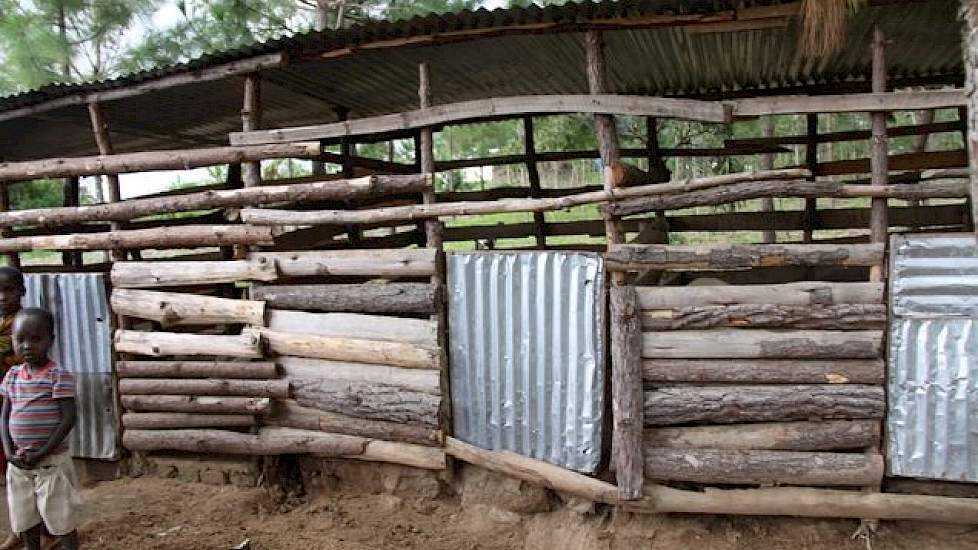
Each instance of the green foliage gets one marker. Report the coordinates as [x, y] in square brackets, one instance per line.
[36, 194]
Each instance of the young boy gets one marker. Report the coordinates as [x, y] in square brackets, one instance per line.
[11, 294]
[37, 416]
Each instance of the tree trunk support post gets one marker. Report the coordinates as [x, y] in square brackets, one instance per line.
[969, 12]
[433, 230]
[13, 259]
[767, 163]
[251, 120]
[533, 175]
[103, 140]
[626, 374]
[811, 162]
[70, 192]
[878, 159]
[657, 167]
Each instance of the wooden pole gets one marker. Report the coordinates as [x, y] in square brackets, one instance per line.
[250, 121]
[103, 140]
[533, 175]
[658, 170]
[767, 163]
[70, 198]
[879, 156]
[13, 259]
[604, 124]
[969, 11]
[627, 398]
[811, 162]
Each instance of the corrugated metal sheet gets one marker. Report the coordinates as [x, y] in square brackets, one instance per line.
[933, 370]
[545, 56]
[83, 346]
[527, 353]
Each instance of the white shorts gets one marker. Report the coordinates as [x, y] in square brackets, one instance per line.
[48, 493]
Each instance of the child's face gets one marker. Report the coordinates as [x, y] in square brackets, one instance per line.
[32, 339]
[11, 293]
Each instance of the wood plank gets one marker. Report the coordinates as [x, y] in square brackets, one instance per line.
[353, 350]
[496, 107]
[846, 103]
[414, 262]
[212, 386]
[288, 413]
[173, 308]
[162, 420]
[762, 344]
[246, 345]
[633, 257]
[835, 317]
[359, 298]
[626, 390]
[792, 294]
[196, 369]
[736, 467]
[764, 371]
[184, 273]
[421, 332]
[195, 404]
[897, 163]
[670, 405]
[827, 435]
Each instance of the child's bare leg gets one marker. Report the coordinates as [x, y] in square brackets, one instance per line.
[69, 541]
[32, 538]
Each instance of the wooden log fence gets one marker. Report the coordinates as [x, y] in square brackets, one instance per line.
[637, 257]
[360, 298]
[182, 273]
[174, 308]
[190, 236]
[414, 262]
[255, 370]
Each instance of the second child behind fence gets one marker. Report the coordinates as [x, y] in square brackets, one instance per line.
[37, 416]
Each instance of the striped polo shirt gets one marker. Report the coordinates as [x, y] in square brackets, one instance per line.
[34, 412]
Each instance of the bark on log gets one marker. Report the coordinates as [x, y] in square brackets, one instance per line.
[290, 414]
[189, 236]
[247, 344]
[173, 308]
[413, 262]
[340, 190]
[335, 372]
[196, 369]
[362, 298]
[764, 371]
[626, 391]
[733, 404]
[193, 404]
[424, 211]
[351, 349]
[879, 155]
[762, 344]
[847, 103]
[166, 386]
[278, 441]
[631, 257]
[789, 294]
[651, 202]
[371, 401]
[162, 274]
[421, 332]
[844, 317]
[177, 159]
[828, 435]
[164, 421]
[735, 467]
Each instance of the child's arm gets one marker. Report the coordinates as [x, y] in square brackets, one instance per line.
[8, 444]
[66, 406]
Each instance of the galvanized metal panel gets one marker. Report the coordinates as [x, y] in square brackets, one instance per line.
[83, 345]
[527, 353]
[933, 358]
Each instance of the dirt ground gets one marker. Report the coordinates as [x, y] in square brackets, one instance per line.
[153, 513]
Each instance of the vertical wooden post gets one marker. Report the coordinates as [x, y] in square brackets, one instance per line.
[13, 259]
[878, 158]
[626, 373]
[539, 221]
[969, 12]
[69, 191]
[104, 142]
[811, 162]
[767, 163]
[660, 174]
[251, 120]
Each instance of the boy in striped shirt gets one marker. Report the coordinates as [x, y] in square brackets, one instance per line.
[37, 416]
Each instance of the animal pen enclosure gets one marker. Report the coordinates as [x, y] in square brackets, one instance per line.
[311, 315]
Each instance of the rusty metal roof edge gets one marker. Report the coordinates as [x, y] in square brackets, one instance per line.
[315, 43]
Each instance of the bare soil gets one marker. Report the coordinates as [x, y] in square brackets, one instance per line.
[152, 513]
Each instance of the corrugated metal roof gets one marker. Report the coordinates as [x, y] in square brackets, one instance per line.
[527, 353]
[83, 345]
[523, 51]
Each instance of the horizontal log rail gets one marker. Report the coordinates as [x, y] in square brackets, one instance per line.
[164, 420]
[847, 103]
[724, 343]
[245, 345]
[635, 257]
[196, 369]
[175, 308]
[188, 236]
[826, 435]
[850, 135]
[838, 317]
[793, 294]
[703, 111]
[290, 414]
[360, 298]
[232, 198]
[179, 159]
[196, 404]
[425, 211]
[763, 371]
[165, 386]
[184, 273]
